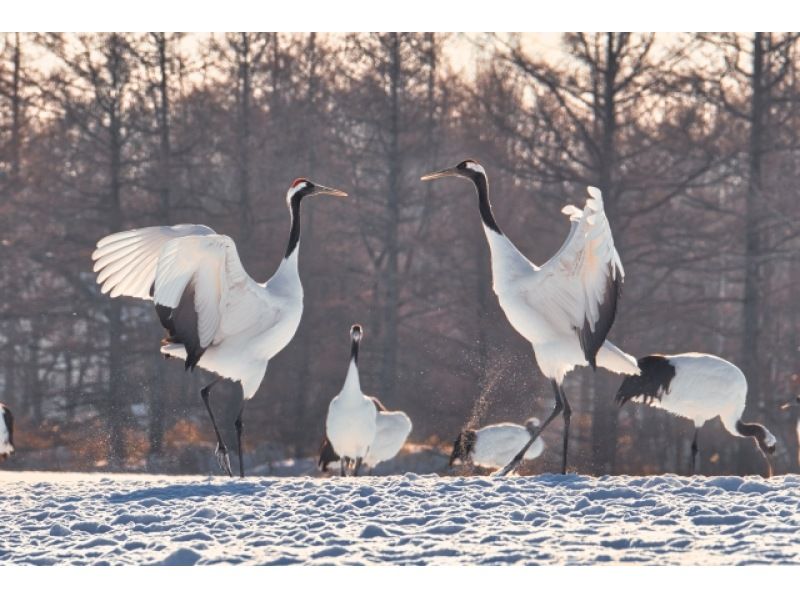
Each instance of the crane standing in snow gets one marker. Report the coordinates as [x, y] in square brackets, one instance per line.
[216, 316]
[494, 446]
[6, 433]
[392, 429]
[699, 387]
[351, 421]
[564, 308]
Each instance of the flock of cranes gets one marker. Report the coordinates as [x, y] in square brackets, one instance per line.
[218, 318]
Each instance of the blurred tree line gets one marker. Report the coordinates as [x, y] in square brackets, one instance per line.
[692, 138]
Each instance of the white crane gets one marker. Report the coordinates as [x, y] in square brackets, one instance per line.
[699, 387]
[392, 429]
[565, 307]
[216, 316]
[6, 433]
[350, 425]
[494, 446]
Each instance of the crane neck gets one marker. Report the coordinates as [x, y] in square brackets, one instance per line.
[484, 205]
[294, 231]
[508, 262]
[352, 383]
[286, 280]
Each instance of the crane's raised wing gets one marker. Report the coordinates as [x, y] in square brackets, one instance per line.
[583, 280]
[203, 294]
[126, 262]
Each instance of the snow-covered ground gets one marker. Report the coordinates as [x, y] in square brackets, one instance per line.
[49, 518]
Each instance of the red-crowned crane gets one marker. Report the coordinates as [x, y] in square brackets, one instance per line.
[350, 425]
[216, 316]
[699, 387]
[392, 429]
[564, 308]
[495, 445]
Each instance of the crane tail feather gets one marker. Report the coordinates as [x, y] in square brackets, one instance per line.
[653, 381]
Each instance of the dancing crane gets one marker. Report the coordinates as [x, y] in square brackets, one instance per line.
[564, 308]
[216, 316]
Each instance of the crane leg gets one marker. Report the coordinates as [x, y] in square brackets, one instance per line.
[566, 414]
[239, 427]
[341, 467]
[769, 465]
[221, 451]
[694, 451]
[559, 407]
[357, 466]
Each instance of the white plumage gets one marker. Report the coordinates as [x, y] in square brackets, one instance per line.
[564, 308]
[351, 421]
[392, 429]
[6, 432]
[240, 324]
[698, 387]
[217, 317]
[494, 446]
[550, 305]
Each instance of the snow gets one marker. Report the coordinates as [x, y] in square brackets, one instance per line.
[53, 518]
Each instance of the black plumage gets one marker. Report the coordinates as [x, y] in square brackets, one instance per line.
[656, 375]
[592, 340]
[8, 420]
[463, 446]
[181, 326]
[326, 455]
[759, 433]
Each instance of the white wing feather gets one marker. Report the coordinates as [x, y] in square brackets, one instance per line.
[125, 262]
[221, 286]
[391, 432]
[575, 279]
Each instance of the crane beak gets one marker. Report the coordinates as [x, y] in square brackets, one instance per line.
[439, 174]
[323, 190]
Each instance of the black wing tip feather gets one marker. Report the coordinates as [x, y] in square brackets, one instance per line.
[651, 384]
[326, 454]
[181, 326]
[591, 341]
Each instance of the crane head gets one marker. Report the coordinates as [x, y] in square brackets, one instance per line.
[356, 332]
[468, 169]
[301, 188]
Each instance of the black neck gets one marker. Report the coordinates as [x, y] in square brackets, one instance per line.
[354, 351]
[757, 431]
[482, 185]
[294, 233]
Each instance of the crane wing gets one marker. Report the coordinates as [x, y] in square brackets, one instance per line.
[583, 280]
[126, 262]
[202, 293]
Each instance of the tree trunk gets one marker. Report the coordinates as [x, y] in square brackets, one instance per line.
[16, 113]
[159, 392]
[604, 422]
[243, 142]
[752, 281]
[307, 364]
[117, 404]
[390, 316]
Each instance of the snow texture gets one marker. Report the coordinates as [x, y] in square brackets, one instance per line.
[49, 518]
